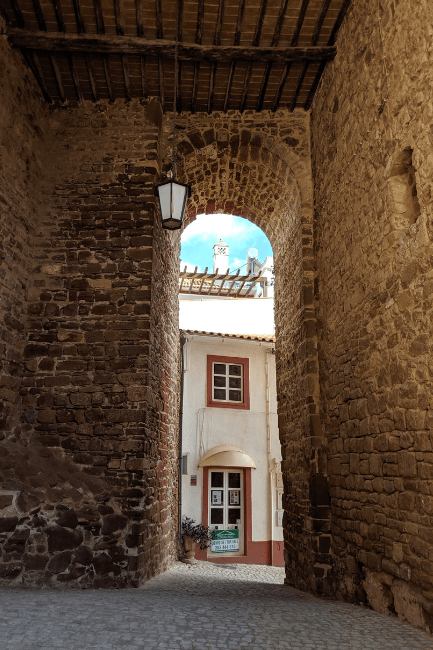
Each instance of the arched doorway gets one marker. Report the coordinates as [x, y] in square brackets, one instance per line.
[264, 176]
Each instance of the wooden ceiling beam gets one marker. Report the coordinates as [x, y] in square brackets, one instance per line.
[39, 15]
[59, 15]
[275, 41]
[159, 36]
[161, 81]
[53, 59]
[91, 73]
[33, 63]
[233, 64]
[120, 23]
[139, 17]
[343, 11]
[99, 17]
[75, 79]
[126, 77]
[179, 29]
[331, 43]
[58, 77]
[298, 87]
[143, 76]
[158, 16]
[319, 23]
[18, 13]
[198, 37]
[256, 41]
[120, 28]
[217, 42]
[288, 65]
[108, 80]
[79, 17]
[108, 44]
[100, 28]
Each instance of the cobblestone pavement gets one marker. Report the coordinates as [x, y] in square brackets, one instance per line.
[203, 607]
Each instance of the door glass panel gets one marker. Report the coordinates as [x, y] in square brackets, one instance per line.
[217, 480]
[217, 516]
[234, 497]
[217, 497]
[234, 480]
[234, 515]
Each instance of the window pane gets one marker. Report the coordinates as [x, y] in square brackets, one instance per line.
[236, 371]
[219, 368]
[217, 497]
[234, 480]
[234, 515]
[217, 516]
[234, 382]
[220, 381]
[217, 479]
[235, 396]
[234, 497]
[219, 394]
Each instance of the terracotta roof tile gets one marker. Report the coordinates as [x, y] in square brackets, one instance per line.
[245, 337]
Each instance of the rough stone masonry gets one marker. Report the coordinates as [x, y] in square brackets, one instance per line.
[89, 377]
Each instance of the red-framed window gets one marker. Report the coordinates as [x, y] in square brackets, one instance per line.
[228, 382]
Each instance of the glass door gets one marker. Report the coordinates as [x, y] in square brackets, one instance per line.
[226, 516]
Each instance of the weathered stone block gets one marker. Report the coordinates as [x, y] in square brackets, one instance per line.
[60, 539]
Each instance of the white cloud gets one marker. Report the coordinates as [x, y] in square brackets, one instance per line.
[210, 227]
[189, 267]
[237, 263]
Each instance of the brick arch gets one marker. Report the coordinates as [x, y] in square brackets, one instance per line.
[268, 181]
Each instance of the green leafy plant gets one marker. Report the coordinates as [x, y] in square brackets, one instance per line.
[202, 535]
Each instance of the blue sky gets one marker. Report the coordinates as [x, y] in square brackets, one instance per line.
[240, 234]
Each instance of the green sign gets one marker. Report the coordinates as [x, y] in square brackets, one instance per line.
[224, 541]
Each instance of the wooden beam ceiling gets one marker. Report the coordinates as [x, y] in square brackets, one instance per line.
[242, 55]
[104, 44]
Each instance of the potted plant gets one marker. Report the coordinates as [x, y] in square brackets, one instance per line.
[193, 534]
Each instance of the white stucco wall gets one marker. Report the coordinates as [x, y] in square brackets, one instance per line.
[255, 316]
[205, 428]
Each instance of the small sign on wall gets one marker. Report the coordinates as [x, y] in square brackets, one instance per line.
[193, 479]
[224, 541]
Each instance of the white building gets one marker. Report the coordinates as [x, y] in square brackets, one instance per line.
[231, 476]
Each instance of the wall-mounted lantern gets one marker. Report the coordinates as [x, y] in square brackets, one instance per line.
[173, 197]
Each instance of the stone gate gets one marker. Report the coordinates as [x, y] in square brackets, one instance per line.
[338, 176]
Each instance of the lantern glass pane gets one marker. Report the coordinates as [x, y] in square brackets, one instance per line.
[164, 200]
[178, 201]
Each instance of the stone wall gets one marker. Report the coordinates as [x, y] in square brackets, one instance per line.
[373, 169]
[22, 143]
[95, 358]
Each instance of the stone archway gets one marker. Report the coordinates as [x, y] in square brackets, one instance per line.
[262, 173]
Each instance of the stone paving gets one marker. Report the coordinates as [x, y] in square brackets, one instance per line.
[204, 607]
